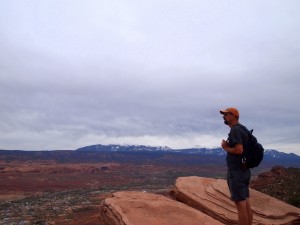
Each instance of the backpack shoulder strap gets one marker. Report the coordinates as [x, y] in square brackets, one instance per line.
[249, 133]
[245, 129]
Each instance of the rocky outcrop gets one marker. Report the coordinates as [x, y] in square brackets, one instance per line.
[141, 208]
[211, 196]
[281, 183]
[199, 201]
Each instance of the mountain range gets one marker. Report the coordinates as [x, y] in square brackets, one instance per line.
[269, 153]
[142, 154]
[271, 156]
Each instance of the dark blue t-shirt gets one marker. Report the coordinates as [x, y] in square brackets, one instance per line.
[236, 136]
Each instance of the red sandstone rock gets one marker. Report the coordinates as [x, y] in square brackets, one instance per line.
[211, 196]
[140, 208]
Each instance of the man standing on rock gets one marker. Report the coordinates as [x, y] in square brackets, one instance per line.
[238, 176]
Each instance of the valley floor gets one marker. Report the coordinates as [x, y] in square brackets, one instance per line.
[51, 192]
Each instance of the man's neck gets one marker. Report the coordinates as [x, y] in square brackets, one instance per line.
[233, 124]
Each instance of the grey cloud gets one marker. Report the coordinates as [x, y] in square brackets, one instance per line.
[90, 72]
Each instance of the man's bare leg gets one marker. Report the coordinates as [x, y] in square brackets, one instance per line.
[244, 214]
[250, 213]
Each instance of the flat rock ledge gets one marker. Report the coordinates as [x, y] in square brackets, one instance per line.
[211, 196]
[197, 201]
[141, 208]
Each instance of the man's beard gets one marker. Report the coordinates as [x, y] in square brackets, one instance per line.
[226, 122]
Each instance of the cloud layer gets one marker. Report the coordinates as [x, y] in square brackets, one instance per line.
[76, 73]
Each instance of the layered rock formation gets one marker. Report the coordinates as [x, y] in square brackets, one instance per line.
[211, 196]
[200, 201]
[140, 208]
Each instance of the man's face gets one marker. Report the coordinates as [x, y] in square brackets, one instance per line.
[226, 117]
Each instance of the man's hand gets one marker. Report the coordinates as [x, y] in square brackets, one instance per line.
[237, 149]
[224, 144]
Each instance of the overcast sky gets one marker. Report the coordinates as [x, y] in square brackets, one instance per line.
[76, 73]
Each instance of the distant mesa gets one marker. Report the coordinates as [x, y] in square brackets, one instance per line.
[199, 201]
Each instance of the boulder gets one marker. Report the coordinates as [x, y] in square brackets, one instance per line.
[141, 208]
[212, 197]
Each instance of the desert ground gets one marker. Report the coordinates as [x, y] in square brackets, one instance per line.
[67, 187]
[70, 193]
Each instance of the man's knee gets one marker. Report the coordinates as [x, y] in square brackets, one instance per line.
[241, 204]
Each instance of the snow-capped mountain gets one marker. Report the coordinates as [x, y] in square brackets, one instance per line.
[271, 157]
[124, 148]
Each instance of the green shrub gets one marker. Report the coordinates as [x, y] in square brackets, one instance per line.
[295, 200]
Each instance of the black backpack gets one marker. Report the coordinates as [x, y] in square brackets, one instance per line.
[254, 152]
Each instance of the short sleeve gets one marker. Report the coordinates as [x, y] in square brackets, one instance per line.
[235, 136]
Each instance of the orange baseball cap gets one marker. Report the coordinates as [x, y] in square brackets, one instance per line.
[234, 111]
